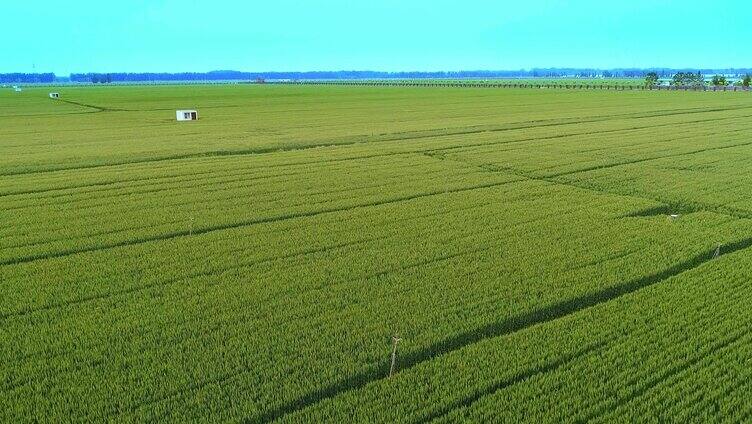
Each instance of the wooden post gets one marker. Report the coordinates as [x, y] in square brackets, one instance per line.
[395, 340]
[717, 251]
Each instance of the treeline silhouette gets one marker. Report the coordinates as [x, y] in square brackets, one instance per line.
[230, 75]
[334, 75]
[27, 78]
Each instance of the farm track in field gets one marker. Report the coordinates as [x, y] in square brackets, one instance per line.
[309, 204]
[225, 269]
[237, 224]
[347, 193]
[511, 381]
[150, 180]
[160, 283]
[298, 291]
[218, 182]
[414, 135]
[503, 328]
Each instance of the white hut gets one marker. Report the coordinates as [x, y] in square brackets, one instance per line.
[186, 115]
[54, 95]
[17, 89]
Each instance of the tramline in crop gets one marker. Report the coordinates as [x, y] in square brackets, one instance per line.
[542, 255]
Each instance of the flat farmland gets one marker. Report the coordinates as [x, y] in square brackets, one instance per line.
[542, 255]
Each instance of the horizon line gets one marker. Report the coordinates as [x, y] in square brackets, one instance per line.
[445, 71]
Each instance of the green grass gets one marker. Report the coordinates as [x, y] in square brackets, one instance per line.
[254, 265]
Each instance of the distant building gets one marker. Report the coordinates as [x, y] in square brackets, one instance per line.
[186, 115]
[54, 95]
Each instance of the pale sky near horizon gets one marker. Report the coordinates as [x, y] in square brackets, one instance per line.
[386, 35]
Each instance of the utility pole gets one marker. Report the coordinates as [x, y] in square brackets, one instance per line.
[395, 340]
[191, 218]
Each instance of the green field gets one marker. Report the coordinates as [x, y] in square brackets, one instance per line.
[571, 82]
[254, 265]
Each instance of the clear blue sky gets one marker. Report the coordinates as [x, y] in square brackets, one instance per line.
[383, 35]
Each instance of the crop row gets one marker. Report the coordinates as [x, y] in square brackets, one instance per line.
[660, 353]
[277, 117]
[40, 224]
[548, 158]
[511, 119]
[430, 285]
[444, 139]
[155, 213]
[714, 180]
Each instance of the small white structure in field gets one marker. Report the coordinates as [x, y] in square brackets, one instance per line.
[54, 95]
[186, 115]
[17, 89]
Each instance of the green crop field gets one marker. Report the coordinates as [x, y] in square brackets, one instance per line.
[254, 265]
[571, 82]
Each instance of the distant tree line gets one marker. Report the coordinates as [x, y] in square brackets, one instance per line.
[27, 78]
[100, 78]
[686, 77]
[335, 75]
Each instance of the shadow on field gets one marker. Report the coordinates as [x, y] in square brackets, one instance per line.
[95, 107]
